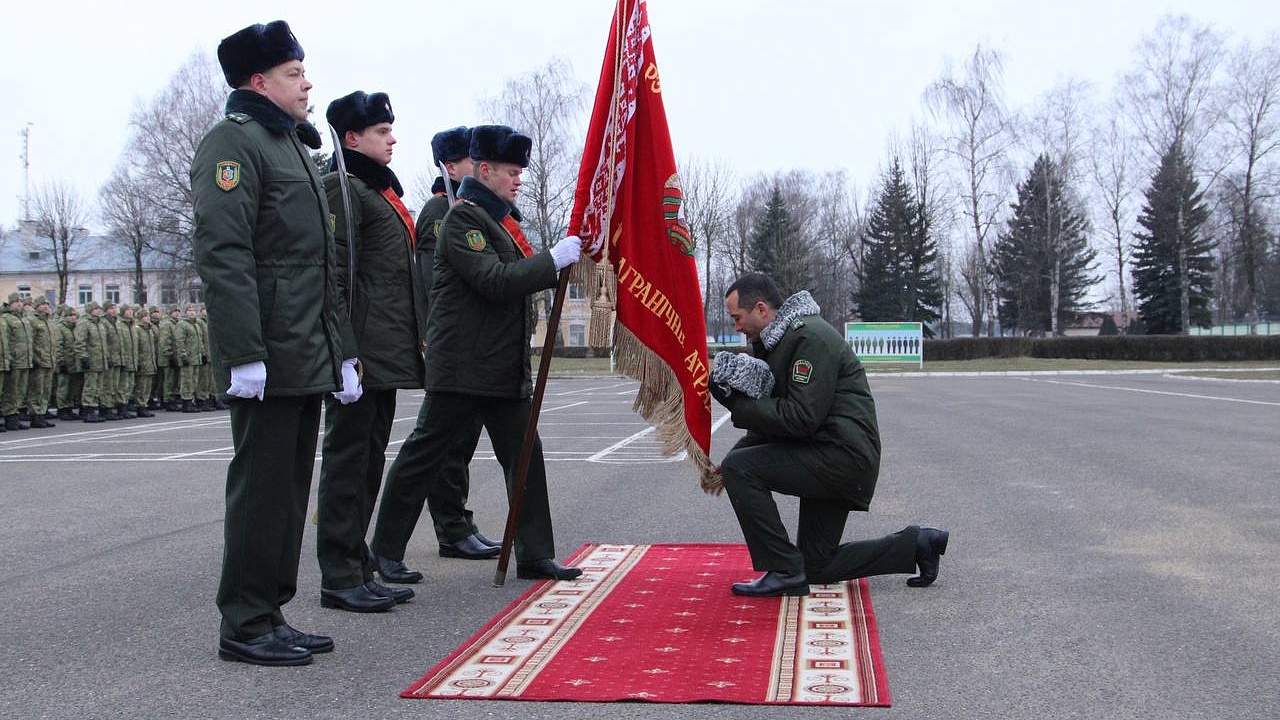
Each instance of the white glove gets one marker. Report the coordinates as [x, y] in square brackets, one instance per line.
[566, 251]
[351, 388]
[248, 380]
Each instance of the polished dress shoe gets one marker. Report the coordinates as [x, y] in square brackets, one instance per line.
[395, 571]
[931, 544]
[356, 599]
[773, 584]
[469, 548]
[486, 541]
[263, 650]
[546, 569]
[293, 636]
[398, 594]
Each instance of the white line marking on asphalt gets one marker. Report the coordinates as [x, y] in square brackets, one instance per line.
[1157, 392]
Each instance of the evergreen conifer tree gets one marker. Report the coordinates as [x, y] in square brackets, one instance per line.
[899, 272]
[776, 248]
[1043, 262]
[1172, 265]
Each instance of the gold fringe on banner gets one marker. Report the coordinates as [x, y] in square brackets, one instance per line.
[661, 403]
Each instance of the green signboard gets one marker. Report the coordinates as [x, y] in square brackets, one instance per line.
[886, 342]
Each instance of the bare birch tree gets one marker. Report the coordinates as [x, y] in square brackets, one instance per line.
[1115, 185]
[1251, 130]
[980, 131]
[164, 135]
[548, 105]
[59, 215]
[708, 206]
[131, 220]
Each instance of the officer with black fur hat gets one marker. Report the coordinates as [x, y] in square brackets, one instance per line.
[478, 362]
[451, 151]
[278, 330]
[379, 235]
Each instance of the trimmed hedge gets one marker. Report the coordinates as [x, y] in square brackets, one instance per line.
[1159, 348]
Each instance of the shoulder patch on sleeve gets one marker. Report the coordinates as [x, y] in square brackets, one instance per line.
[801, 371]
[227, 174]
[475, 240]
[435, 227]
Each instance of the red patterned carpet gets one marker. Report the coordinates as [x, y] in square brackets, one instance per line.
[657, 623]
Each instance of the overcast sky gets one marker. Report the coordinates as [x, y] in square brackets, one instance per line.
[763, 86]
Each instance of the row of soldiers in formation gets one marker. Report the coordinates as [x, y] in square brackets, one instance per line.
[109, 362]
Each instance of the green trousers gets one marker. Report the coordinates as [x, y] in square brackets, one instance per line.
[70, 389]
[91, 392]
[142, 384]
[752, 474]
[14, 392]
[38, 391]
[268, 482]
[353, 456]
[425, 470]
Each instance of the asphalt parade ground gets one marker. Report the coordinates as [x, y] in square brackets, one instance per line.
[1115, 552]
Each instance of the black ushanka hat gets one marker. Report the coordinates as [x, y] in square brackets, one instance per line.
[499, 143]
[357, 111]
[256, 49]
[451, 145]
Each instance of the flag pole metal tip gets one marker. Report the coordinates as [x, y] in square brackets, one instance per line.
[500, 578]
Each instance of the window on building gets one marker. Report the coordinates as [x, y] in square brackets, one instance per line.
[33, 255]
[111, 293]
[168, 294]
[577, 335]
[577, 292]
[84, 294]
[24, 291]
[195, 294]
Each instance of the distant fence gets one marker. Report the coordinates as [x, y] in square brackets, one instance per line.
[878, 342]
[1262, 327]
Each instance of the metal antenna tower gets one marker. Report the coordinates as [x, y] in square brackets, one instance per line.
[26, 171]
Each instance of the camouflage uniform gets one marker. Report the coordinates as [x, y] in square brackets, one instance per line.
[128, 363]
[145, 374]
[171, 350]
[186, 338]
[204, 371]
[91, 356]
[18, 329]
[156, 398]
[109, 389]
[44, 358]
[70, 376]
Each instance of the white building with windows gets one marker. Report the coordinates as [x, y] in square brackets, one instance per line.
[99, 268]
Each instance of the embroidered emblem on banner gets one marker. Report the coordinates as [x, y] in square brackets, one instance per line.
[475, 240]
[801, 371]
[228, 175]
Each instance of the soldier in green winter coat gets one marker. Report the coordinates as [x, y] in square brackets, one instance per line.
[478, 362]
[279, 338]
[187, 345]
[128, 362]
[17, 328]
[156, 395]
[384, 319]
[813, 436]
[144, 376]
[204, 371]
[91, 356]
[70, 376]
[110, 386]
[44, 360]
[172, 346]
[4, 364]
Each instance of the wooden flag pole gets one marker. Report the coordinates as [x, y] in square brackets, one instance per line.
[531, 430]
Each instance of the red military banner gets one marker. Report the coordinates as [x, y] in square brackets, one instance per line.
[627, 207]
